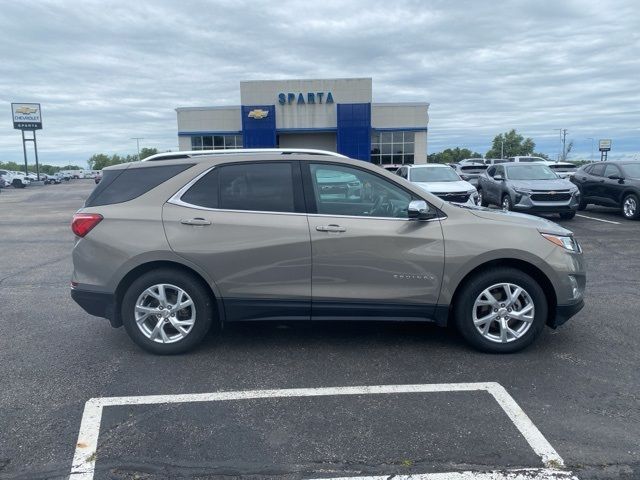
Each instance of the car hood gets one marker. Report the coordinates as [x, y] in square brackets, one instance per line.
[555, 184]
[541, 224]
[445, 187]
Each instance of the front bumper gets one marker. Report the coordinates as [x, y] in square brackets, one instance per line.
[524, 203]
[564, 313]
[98, 304]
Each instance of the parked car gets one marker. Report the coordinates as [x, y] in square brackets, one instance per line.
[442, 181]
[611, 184]
[532, 188]
[19, 180]
[562, 169]
[526, 159]
[495, 161]
[252, 236]
[391, 167]
[471, 161]
[470, 171]
[7, 177]
[97, 177]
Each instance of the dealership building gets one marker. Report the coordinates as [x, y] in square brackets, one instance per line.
[329, 114]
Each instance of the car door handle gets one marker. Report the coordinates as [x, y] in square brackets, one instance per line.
[331, 228]
[198, 221]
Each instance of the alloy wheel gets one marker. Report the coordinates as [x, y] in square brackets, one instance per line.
[165, 313]
[506, 204]
[629, 207]
[503, 312]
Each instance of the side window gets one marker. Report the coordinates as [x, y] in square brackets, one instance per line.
[204, 193]
[404, 172]
[491, 172]
[499, 171]
[597, 170]
[265, 187]
[341, 190]
[611, 170]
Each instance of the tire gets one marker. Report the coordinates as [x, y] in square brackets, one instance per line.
[18, 184]
[582, 205]
[483, 201]
[506, 204]
[201, 311]
[567, 215]
[630, 207]
[492, 342]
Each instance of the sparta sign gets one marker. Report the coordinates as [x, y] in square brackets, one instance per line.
[26, 116]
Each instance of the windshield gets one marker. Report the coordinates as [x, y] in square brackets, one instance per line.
[433, 174]
[632, 170]
[530, 172]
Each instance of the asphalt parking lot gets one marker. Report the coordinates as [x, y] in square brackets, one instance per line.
[579, 385]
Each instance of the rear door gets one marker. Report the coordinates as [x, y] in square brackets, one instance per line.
[611, 190]
[369, 259]
[593, 183]
[244, 223]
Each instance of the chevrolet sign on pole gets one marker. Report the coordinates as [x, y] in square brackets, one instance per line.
[26, 116]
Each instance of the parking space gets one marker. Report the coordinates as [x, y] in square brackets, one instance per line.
[577, 385]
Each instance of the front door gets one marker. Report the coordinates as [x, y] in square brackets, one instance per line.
[369, 259]
[244, 223]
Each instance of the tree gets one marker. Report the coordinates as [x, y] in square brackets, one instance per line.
[452, 155]
[513, 143]
[147, 152]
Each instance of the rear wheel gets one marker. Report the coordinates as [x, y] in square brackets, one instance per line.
[167, 311]
[501, 310]
[630, 207]
[481, 200]
[506, 203]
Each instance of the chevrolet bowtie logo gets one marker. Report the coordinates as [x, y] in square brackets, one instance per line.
[26, 110]
[258, 113]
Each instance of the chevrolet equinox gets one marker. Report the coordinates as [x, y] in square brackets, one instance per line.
[171, 246]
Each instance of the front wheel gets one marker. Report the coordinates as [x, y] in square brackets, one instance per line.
[630, 208]
[167, 311]
[501, 310]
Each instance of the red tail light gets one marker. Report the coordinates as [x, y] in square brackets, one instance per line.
[83, 223]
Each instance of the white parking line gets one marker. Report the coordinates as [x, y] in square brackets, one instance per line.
[598, 219]
[510, 474]
[86, 448]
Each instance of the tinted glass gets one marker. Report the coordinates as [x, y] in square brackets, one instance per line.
[433, 174]
[265, 187]
[491, 171]
[611, 170]
[632, 170]
[119, 186]
[597, 170]
[530, 172]
[204, 192]
[343, 190]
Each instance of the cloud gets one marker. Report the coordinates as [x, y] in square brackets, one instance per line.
[109, 71]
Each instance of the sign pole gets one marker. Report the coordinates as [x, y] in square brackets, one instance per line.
[24, 150]
[35, 149]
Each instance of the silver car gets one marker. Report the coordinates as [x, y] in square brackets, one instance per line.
[182, 242]
[442, 181]
[528, 187]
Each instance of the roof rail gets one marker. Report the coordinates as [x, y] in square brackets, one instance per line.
[237, 151]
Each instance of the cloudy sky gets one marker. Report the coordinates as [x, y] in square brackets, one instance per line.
[105, 71]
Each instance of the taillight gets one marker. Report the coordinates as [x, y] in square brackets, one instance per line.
[83, 223]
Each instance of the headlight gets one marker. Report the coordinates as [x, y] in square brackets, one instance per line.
[523, 191]
[472, 191]
[566, 242]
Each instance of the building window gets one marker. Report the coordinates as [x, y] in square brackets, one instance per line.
[392, 147]
[216, 142]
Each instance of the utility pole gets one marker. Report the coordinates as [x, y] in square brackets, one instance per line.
[137, 139]
[501, 149]
[564, 144]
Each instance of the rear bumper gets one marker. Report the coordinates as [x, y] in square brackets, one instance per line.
[98, 304]
[565, 312]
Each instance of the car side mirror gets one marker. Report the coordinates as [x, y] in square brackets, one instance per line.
[419, 210]
[498, 177]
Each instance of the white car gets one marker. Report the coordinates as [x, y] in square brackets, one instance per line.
[7, 176]
[562, 169]
[20, 180]
[441, 180]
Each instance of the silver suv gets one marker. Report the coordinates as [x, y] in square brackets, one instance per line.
[182, 242]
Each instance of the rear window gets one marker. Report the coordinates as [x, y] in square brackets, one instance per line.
[119, 186]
